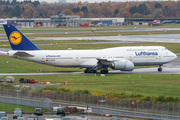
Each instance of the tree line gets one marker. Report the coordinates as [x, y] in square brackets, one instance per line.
[28, 9]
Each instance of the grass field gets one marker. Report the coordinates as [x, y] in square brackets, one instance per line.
[147, 85]
[10, 108]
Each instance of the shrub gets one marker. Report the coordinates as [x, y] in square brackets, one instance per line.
[81, 91]
[176, 99]
[169, 99]
[96, 94]
[161, 99]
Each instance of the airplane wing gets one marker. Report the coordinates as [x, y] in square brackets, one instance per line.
[102, 63]
[23, 54]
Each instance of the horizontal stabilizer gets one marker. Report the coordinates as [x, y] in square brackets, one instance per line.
[23, 54]
[2, 53]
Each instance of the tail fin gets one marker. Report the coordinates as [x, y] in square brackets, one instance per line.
[17, 40]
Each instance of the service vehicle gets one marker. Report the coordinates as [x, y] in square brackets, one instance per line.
[30, 81]
[9, 79]
[22, 80]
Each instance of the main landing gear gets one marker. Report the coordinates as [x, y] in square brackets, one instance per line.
[90, 71]
[160, 68]
[104, 71]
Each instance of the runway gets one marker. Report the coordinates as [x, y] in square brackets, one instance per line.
[105, 30]
[165, 38]
[166, 70]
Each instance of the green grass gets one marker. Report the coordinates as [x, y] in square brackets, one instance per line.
[10, 108]
[147, 85]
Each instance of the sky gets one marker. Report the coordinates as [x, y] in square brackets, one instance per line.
[91, 1]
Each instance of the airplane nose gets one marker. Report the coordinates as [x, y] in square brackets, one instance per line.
[175, 56]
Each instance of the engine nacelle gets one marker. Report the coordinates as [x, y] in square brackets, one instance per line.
[123, 65]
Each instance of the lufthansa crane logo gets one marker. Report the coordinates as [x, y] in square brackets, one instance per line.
[15, 38]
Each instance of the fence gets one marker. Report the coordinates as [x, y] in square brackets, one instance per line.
[131, 105]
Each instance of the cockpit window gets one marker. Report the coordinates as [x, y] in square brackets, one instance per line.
[165, 48]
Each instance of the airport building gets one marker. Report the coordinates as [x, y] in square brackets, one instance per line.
[75, 20]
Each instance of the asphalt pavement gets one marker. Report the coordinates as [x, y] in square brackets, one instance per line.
[80, 117]
[165, 38]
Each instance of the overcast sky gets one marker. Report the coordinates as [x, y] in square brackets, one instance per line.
[91, 1]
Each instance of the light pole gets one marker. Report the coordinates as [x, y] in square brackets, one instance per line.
[102, 101]
[17, 96]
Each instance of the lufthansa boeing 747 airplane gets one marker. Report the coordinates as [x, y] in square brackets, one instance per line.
[117, 58]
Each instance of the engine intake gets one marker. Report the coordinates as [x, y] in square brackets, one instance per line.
[123, 65]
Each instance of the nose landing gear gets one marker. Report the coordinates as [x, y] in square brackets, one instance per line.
[160, 68]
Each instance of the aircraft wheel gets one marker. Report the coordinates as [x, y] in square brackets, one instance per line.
[86, 71]
[104, 71]
[160, 69]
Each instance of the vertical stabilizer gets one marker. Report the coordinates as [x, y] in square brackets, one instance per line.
[17, 40]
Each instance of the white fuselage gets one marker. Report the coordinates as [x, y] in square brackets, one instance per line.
[139, 56]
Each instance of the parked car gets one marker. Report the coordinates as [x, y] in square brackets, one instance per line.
[4, 118]
[34, 117]
[2, 114]
[30, 119]
[66, 118]
[57, 117]
[114, 118]
[17, 109]
[17, 114]
[20, 118]
[60, 111]
[38, 111]
[124, 118]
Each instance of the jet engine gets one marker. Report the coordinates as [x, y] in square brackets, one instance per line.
[123, 65]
